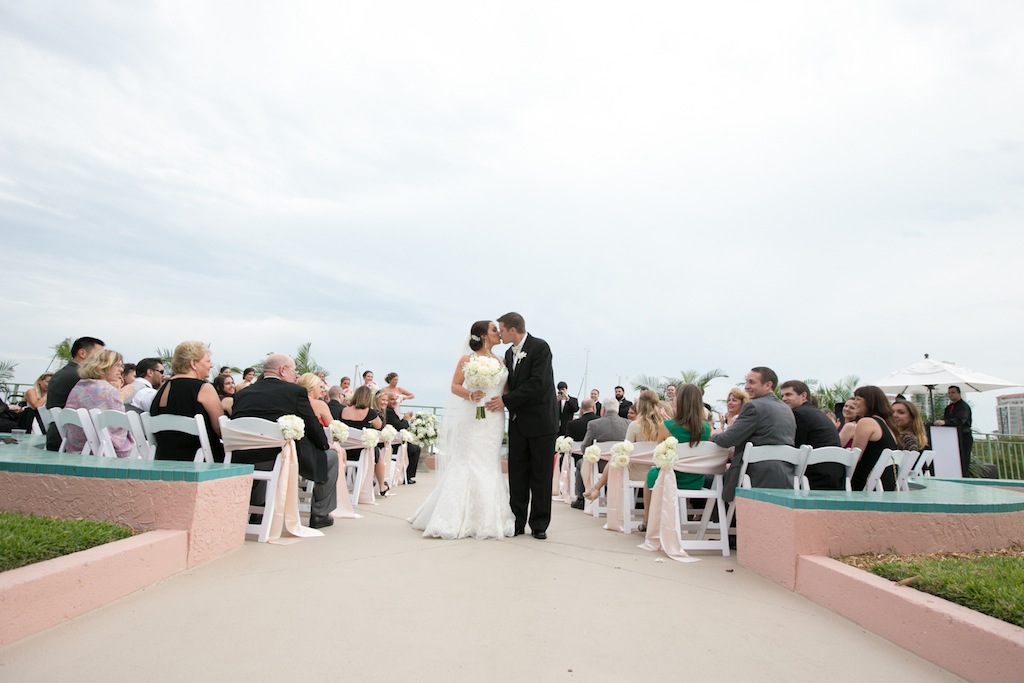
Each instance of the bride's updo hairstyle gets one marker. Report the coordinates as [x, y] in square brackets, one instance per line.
[477, 333]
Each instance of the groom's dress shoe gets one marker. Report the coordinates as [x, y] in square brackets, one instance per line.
[540, 535]
[519, 532]
[318, 522]
[576, 505]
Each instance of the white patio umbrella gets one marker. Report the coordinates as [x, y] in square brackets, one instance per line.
[929, 375]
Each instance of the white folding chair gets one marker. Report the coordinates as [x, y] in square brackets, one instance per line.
[356, 470]
[80, 418]
[195, 425]
[687, 520]
[847, 457]
[924, 461]
[630, 489]
[887, 458]
[42, 421]
[399, 463]
[257, 425]
[599, 506]
[54, 414]
[905, 468]
[794, 455]
[103, 420]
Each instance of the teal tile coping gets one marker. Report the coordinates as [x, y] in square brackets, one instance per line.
[28, 456]
[962, 496]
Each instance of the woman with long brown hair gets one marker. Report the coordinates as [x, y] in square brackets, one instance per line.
[874, 433]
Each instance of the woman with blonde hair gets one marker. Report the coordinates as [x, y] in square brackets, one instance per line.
[648, 426]
[361, 414]
[187, 393]
[35, 397]
[99, 373]
[734, 402]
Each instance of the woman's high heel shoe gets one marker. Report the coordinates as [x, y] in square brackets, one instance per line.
[384, 491]
[592, 495]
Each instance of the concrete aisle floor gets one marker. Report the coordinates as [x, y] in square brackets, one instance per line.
[373, 601]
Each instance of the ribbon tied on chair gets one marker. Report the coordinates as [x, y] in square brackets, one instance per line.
[286, 497]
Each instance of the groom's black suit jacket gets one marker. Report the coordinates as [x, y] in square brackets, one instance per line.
[271, 398]
[531, 398]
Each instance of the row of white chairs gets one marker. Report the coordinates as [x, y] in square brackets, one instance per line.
[142, 427]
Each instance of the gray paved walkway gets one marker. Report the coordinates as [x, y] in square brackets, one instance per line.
[373, 601]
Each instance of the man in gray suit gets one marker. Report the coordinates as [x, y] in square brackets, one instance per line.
[610, 427]
[763, 421]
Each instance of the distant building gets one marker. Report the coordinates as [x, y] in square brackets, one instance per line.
[1010, 413]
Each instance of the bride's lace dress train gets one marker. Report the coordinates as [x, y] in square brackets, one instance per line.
[470, 499]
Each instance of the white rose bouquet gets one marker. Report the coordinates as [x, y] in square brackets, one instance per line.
[665, 453]
[482, 373]
[563, 444]
[423, 429]
[620, 454]
[339, 431]
[388, 434]
[592, 454]
[292, 427]
[370, 438]
[406, 435]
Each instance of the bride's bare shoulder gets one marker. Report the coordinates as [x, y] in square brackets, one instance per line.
[498, 358]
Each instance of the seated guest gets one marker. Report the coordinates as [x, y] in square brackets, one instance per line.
[360, 414]
[648, 426]
[95, 389]
[312, 383]
[831, 418]
[187, 393]
[762, 421]
[851, 414]
[64, 380]
[609, 427]
[567, 407]
[817, 431]
[275, 396]
[392, 388]
[688, 426]
[150, 375]
[334, 403]
[577, 430]
[35, 397]
[392, 418]
[126, 380]
[910, 431]
[248, 377]
[734, 403]
[13, 417]
[874, 433]
[224, 385]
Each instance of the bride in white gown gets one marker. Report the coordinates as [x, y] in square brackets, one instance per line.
[471, 496]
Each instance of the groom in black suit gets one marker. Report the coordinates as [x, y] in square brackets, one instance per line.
[532, 425]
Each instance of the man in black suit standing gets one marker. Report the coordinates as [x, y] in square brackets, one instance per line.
[624, 405]
[277, 395]
[400, 422]
[532, 425]
[567, 407]
[64, 380]
[957, 414]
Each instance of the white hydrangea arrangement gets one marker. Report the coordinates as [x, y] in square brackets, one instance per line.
[292, 427]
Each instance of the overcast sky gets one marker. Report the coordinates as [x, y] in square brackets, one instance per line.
[827, 188]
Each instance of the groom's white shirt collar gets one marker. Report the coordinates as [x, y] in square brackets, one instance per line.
[517, 348]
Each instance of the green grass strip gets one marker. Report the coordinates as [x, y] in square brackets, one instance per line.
[25, 539]
[990, 584]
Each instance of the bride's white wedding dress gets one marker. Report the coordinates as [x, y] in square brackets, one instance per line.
[471, 496]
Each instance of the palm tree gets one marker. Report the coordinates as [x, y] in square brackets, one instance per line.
[61, 352]
[304, 361]
[700, 379]
[6, 375]
[828, 395]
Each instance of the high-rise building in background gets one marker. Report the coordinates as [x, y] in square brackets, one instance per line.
[1010, 413]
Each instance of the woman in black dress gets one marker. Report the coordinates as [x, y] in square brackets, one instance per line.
[360, 414]
[874, 433]
[188, 393]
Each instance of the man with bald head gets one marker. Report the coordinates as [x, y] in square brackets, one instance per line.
[277, 395]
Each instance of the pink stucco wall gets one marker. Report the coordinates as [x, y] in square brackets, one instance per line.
[41, 595]
[970, 644]
[212, 512]
[770, 538]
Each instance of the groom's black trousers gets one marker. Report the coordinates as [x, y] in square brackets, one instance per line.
[530, 468]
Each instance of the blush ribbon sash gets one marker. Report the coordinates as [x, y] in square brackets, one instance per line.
[344, 509]
[642, 455]
[662, 533]
[566, 476]
[286, 497]
[401, 462]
